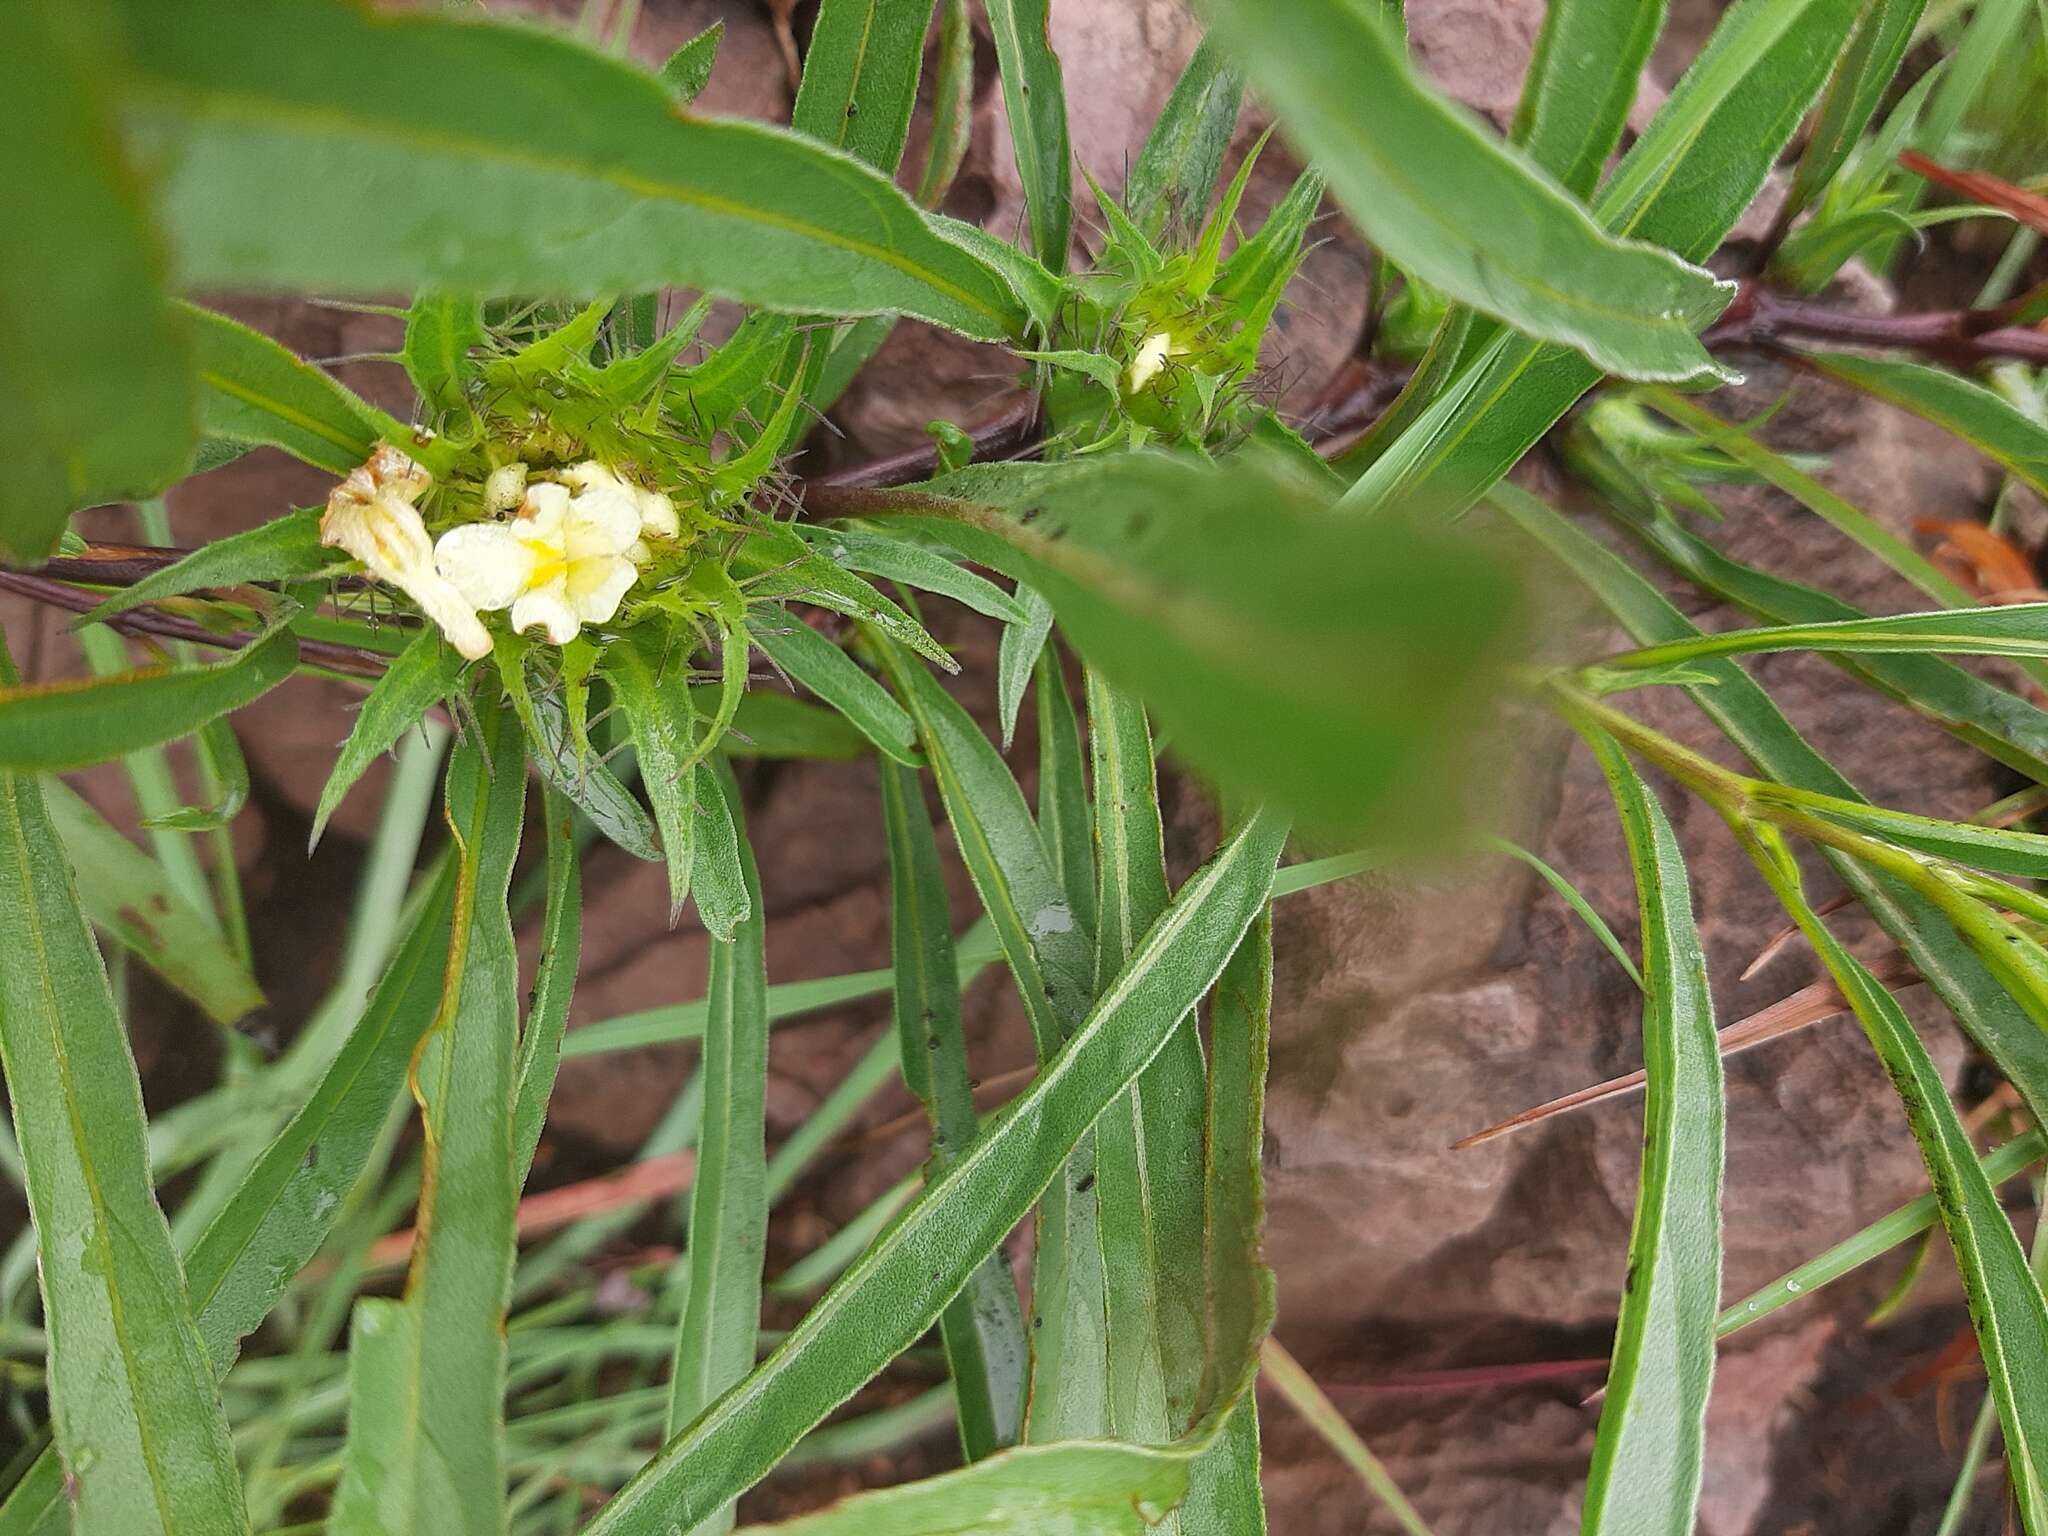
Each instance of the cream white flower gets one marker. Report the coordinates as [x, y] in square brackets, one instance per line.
[505, 487]
[560, 564]
[657, 512]
[1150, 357]
[371, 515]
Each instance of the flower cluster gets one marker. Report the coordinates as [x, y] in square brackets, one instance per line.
[567, 556]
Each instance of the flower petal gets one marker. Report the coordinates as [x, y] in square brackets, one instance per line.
[602, 521]
[546, 505]
[658, 515]
[549, 608]
[488, 563]
[442, 603]
[596, 587]
[385, 533]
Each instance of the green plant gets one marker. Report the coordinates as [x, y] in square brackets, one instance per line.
[568, 556]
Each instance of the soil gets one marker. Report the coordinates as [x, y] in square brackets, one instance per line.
[1440, 1297]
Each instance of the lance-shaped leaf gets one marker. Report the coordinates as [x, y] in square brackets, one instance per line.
[442, 333]
[1035, 101]
[421, 676]
[860, 77]
[898, 1288]
[1175, 174]
[255, 391]
[1458, 209]
[1324, 662]
[73, 723]
[1651, 1445]
[427, 1374]
[95, 372]
[663, 724]
[1869, 66]
[561, 938]
[283, 549]
[835, 677]
[490, 158]
[987, 1353]
[1683, 185]
[140, 1429]
[1582, 80]
[715, 1341]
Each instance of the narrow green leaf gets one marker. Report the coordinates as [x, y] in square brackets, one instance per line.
[1224, 1493]
[547, 1016]
[588, 781]
[1064, 817]
[860, 77]
[1049, 951]
[1682, 186]
[1148, 1147]
[772, 724]
[283, 1210]
[254, 391]
[835, 677]
[1880, 1237]
[427, 1374]
[73, 723]
[1449, 204]
[1980, 417]
[273, 177]
[95, 373]
[663, 723]
[144, 1442]
[1284, 1372]
[1860, 83]
[1648, 1455]
[226, 773]
[128, 897]
[2006, 1305]
[899, 1287]
[443, 332]
[719, 879]
[715, 1343]
[919, 565]
[952, 105]
[1575, 900]
[1017, 654]
[421, 676]
[779, 563]
[1175, 174]
[1035, 100]
[983, 1327]
[285, 549]
[2020, 629]
[1581, 83]
[688, 70]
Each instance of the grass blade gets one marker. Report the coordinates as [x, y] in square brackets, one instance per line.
[983, 1327]
[139, 1427]
[1307, 1399]
[1980, 417]
[1749, 718]
[1648, 1455]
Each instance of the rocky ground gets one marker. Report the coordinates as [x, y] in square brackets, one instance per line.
[1411, 1010]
